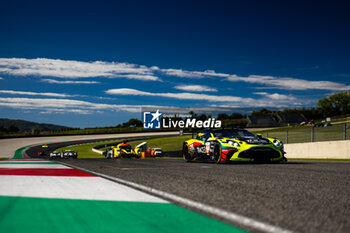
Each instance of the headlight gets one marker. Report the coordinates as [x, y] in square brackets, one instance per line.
[276, 143]
[235, 144]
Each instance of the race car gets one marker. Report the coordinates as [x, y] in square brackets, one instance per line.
[156, 152]
[55, 154]
[122, 150]
[69, 154]
[224, 145]
[44, 151]
[142, 147]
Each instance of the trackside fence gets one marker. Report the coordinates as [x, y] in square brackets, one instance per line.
[312, 134]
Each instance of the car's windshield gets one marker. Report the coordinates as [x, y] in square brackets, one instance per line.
[233, 133]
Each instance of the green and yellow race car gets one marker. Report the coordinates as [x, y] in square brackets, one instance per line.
[224, 145]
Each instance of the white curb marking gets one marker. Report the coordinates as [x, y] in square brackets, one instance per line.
[232, 217]
[28, 165]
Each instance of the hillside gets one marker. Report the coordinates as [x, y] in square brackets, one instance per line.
[27, 126]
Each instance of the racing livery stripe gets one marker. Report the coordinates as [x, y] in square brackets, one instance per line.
[42, 172]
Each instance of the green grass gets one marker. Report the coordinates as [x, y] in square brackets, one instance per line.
[342, 120]
[85, 150]
[167, 144]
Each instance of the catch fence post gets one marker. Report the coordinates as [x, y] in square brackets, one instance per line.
[344, 137]
[312, 134]
[287, 137]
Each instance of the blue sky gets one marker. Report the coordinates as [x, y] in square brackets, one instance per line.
[86, 64]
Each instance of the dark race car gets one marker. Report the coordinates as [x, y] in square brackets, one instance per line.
[69, 154]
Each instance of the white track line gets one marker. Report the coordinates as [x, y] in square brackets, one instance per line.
[232, 217]
[33, 166]
[71, 187]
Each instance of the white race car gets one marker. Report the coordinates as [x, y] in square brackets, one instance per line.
[55, 154]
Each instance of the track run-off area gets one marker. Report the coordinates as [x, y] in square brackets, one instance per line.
[169, 195]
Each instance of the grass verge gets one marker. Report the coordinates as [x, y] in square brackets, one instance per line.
[166, 143]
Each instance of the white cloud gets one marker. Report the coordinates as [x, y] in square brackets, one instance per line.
[63, 111]
[275, 96]
[34, 93]
[48, 106]
[273, 100]
[50, 94]
[286, 83]
[181, 73]
[184, 96]
[73, 69]
[196, 88]
[53, 81]
[70, 69]
[192, 74]
[137, 76]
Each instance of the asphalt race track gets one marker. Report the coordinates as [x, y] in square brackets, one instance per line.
[300, 196]
[297, 196]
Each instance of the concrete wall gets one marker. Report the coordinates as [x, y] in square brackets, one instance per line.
[97, 151]
[319, 150]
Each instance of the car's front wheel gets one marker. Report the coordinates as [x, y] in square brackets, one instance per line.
[109, 154]
[217, 153]
[185, 153]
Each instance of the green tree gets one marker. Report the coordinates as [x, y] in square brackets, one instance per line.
[192, 114]
[335, 104]
[3, 129]
[134, 122]
[12, 129]
[201, 117]
[262, 112]
[236, 116]
[223, 116]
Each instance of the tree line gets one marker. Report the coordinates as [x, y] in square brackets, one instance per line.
[334, 105]
[10, 129]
